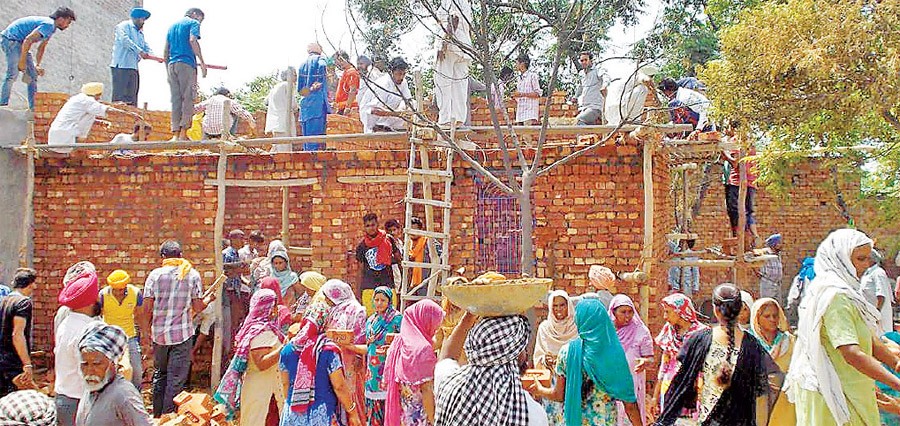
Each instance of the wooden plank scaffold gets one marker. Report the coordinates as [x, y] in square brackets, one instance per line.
[420, 172]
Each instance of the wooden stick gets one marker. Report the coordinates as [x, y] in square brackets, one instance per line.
[25, 259]
[285, 210]
[214, 288]
[216, 365]
[647, 266]
[208, 66]
[742, 215]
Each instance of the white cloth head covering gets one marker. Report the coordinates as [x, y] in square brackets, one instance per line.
[811, 369]
[552, 333]
[747, 298]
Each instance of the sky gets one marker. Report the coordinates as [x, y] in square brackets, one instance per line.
[273, 34]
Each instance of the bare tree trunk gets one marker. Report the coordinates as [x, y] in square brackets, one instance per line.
[527, 218]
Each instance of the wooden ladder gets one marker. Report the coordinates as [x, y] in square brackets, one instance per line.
[421, 172]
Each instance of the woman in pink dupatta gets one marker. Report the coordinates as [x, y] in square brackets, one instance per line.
[409, 368]
[247, 384]
[348, 314]
[638, 344]
[284, 314]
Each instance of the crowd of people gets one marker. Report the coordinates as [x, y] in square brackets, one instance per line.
[306, 352]
[377, 92]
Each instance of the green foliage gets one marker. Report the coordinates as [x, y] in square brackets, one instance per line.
[815, 74]
[253, 95]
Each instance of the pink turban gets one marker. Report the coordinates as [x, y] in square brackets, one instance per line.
[601, 277]
[82, 292]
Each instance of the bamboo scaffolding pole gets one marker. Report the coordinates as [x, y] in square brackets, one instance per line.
[25, 257]
[397, 136]
[216, 364]
[644, 290]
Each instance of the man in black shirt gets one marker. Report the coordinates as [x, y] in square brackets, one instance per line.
[376, 253]
[15, 331]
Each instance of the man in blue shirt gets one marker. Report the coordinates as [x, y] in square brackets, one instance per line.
[182, 54]
[313, 87]
[16, 41]
[128, 49]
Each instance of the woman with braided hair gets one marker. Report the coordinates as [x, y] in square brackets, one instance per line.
[724, 369]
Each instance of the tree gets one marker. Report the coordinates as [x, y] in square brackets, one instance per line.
[813, 74]
[556, 30]
[686, 36]
[252, 95]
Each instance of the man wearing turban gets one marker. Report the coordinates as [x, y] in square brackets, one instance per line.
[772, 272]
[129, 48]
[313, 88]
[110, 399]
[121, 304]
[75, 119]
[80, 296]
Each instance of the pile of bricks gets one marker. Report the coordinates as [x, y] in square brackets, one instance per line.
[48, 104]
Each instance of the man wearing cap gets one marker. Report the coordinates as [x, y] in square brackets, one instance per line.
[81, 297]
[313, 87]
[128, 49]
[170, 292]
[122, 305]
[182, 54]
[75, 119]
[109, 398]
[15, 331]
[17, 40]
[772, 272]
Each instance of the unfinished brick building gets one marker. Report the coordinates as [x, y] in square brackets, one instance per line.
[115, 211]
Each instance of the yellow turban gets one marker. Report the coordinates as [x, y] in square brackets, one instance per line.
[312, 280]
[92, 89]
[118, 279]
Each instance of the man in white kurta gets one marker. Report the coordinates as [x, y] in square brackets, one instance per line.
[451, 70]
[386, 96]
[77, 115]
[279, 106]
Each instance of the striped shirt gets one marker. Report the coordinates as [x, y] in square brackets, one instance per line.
[527, 108]
[172, 323]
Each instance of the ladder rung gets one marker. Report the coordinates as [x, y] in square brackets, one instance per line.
[409, 264]
[430, 172]
[429, 234]
[435, 203]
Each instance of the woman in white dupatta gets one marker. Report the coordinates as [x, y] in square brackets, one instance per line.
[838, 356]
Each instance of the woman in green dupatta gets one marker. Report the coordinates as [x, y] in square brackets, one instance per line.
[593, 372]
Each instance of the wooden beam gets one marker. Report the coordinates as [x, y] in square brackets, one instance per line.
[263, 183]
[357, 180]
[302, 251]
[644, 290]
[25, 258]
[285, 211]
[742, 215]
[216, 364]
[703, 263]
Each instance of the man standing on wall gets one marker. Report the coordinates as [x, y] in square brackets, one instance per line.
[451, 70]
[16, 41]
[348, 86]
[15, 331]
[313, 88]
[128, 49]
[592, 91]
[182, 53]
[170, 292]
[375, 253]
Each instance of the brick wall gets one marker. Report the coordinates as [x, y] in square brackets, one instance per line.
[116, 211]
[79, 54]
